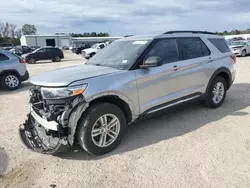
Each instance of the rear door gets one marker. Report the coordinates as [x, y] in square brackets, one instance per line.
[4, 62]
[191, 78]
[50, 53]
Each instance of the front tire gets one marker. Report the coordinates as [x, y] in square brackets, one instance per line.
[10, 81]
[31, 61]
[243, 53]
[101, 129]
[216, 93]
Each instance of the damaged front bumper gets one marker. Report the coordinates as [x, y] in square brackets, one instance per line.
[52, 131]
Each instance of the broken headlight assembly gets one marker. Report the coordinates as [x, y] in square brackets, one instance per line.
[62, 92]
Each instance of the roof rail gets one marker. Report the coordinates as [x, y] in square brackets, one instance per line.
[202, 32]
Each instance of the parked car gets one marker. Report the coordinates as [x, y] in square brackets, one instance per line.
[45, 53]
[90, 52]
[92, 104]
[6, 46]
[20, 50]
[65, 48]
[240, 48]
[12, 70]
[34, 47]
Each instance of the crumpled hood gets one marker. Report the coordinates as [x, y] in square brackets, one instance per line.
[65, 76]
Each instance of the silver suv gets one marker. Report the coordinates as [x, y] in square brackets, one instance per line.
[12, 70]
[92, 104]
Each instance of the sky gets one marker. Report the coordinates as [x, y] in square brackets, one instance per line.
[123, 17]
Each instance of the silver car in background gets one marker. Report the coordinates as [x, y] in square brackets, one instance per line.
[240, 48]
[12, 70]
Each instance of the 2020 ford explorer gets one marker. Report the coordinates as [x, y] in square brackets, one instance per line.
[92, 104]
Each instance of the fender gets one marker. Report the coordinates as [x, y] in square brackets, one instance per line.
[218, 71]
[10, 71]
[81, 106]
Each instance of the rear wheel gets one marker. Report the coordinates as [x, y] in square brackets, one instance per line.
[57, 59]
[101, 129]
[216, 93]
[10, 81]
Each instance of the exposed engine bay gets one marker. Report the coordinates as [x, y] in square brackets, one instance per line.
[51, 123]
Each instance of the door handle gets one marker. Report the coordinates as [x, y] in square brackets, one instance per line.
[175, 68]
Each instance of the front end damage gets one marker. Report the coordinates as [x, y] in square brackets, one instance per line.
[51, 124]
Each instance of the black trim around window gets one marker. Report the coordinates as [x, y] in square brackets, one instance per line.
[139, 61]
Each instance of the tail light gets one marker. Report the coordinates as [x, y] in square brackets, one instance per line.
[233, 58]
[21, 60]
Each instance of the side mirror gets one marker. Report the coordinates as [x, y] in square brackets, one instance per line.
[153, 61]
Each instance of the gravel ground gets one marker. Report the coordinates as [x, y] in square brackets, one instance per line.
[190, 147]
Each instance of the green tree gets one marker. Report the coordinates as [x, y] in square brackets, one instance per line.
[29, 29]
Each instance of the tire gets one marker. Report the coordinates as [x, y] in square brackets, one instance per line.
[212, 101]
[92, 120]
[243, 53]
[10, 81]
[57, 59]
[31, 61]
[91, 55]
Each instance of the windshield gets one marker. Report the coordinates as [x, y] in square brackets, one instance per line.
[238, 43]
[119, 54]
[95, 46]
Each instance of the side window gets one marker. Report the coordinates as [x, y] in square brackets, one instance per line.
[193, 48]
[166, 49]
[220, 44]
[42, 50]
[101, 46]
[3, 57]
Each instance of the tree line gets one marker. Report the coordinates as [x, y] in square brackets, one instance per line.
[234, 32]
[10, 33]
[92, 34]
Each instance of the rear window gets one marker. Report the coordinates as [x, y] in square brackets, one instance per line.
[3, 57]
[220, 44]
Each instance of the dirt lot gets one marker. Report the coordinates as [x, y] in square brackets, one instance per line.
[191, 147]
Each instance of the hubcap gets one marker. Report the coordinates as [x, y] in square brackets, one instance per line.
[105, 130]
[11, 81]
[218, 92]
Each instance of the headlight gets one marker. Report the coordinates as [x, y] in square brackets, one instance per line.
[59, 93]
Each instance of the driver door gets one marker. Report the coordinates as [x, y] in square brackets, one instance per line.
[155, 84]
[41, 54]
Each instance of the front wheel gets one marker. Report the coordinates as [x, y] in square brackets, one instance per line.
[244, 53]
[31, 61]
[216, 93]
[101, 129]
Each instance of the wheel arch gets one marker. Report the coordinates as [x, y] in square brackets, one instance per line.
[10, 71]
[116, 100]
[224, 73]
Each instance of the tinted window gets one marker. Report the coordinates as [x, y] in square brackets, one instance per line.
[102, 46]
[3, 57]
[41, 50]
[193, 48]
[166, 49]
[51, 49]
[220, 44]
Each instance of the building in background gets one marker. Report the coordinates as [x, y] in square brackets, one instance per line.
[62, 40]
[46, 40]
